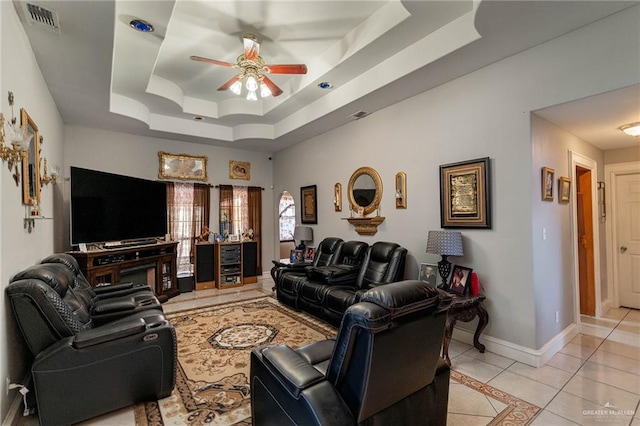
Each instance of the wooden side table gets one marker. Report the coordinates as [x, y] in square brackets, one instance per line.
[465, 308]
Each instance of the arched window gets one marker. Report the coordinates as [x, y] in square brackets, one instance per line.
[287, 216]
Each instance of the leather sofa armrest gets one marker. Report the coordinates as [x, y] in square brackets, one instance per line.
[106, 306]
[295, 373]
[121, 289]
[96, 336]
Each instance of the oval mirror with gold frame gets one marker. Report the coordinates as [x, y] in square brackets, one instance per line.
[31, 163]
[365, 190]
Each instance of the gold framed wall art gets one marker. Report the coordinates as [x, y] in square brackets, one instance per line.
[548, 175]
[182, 166]
[465, 194]
[239, 170]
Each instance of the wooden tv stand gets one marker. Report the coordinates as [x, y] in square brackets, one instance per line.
[153, 264]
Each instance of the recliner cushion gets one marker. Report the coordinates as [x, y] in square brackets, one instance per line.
[400, 298]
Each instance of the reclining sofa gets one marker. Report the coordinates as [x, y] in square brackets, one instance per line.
[96, 350]
[326, 290]
[383, 368]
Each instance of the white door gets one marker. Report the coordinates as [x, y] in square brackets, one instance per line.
[628, 235]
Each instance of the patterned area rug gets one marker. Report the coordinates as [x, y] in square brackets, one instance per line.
[214, 344]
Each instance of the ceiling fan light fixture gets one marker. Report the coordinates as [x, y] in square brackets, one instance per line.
[265, 92]
[251, 84]
[631, 129]
[140, 25]
[251, 95]
[236, 87]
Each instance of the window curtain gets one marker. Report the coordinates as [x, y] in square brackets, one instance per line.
[188, 211]
[226, 208]
[255, 219]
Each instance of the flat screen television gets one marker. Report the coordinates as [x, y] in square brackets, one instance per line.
[107, 207]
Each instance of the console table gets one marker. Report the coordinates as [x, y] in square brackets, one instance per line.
[464, 308]
[153, 264]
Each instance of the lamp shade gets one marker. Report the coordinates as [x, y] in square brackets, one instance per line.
[303, 233]
[447, 243]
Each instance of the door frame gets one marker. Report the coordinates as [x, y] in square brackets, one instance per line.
[611, 171]
[577, 159]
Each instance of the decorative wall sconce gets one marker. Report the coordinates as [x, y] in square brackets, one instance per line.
[18, 137]
[49, 176]
[401, 190]
[337, 197]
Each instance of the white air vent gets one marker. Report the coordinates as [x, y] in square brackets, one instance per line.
[358, 115]
[41, 17]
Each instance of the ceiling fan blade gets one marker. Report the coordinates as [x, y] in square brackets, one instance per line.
[286, 69]
[275, 90]
[211, 61]
[228, 83]
[251, 49]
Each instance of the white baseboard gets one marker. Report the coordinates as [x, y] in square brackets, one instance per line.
[532, 357]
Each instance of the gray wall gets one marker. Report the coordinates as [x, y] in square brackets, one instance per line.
[486, 113]
[20, 74]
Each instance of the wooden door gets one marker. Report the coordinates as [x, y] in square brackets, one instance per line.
[627, 254]
[586, 267]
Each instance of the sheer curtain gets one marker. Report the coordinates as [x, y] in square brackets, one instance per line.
[187, 213]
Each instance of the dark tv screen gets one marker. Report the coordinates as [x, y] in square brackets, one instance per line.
[108, 207]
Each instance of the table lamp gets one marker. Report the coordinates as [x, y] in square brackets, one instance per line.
[444, 243]
[302, 234]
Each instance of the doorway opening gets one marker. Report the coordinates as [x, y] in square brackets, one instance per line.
[584, 216]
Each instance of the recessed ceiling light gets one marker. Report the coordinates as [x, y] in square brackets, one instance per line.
[325, 85]
[198, 118]
[632, 129]
[142, 26]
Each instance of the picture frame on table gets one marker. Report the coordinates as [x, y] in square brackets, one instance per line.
[460, 280]
[309, 253]
[428, 272]
[548, 175]
[308, 195]
[465, 194]
[296, 256]
[234, 238]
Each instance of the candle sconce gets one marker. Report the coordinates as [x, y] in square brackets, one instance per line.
[337, 197]
[401, 190]
[18, 137]
[49, 176]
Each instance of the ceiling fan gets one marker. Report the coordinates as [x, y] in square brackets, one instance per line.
[252, 70]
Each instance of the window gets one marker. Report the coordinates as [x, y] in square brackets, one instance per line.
[234, 212]
[287, 216]
[187, 213]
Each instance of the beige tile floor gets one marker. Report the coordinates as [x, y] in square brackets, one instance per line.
[593, 380]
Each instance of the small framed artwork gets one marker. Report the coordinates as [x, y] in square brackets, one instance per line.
[234, 238]
[296, 256]
[428, 273]
[465, 190]
[460, 278]
[309, 253]
[239, 170]
[564, 189]
[547, 183]
[309, 212]
[182, 166]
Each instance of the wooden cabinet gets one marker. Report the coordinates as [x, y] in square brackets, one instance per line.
[153, 264]
[225, 265]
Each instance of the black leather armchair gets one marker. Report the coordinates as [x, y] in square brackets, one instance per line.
[82, 370]
[383, 263]
[321, 278]
[109, 302]
[287, 278]
[384, 367]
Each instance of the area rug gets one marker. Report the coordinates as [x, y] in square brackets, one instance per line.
[214, 344]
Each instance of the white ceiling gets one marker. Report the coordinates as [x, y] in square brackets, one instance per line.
[103, 74]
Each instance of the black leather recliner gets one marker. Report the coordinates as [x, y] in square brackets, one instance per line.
[321, 278]
[82, 370]
[384, 368]
[287, 279]
[109, 302]
[383, 263]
